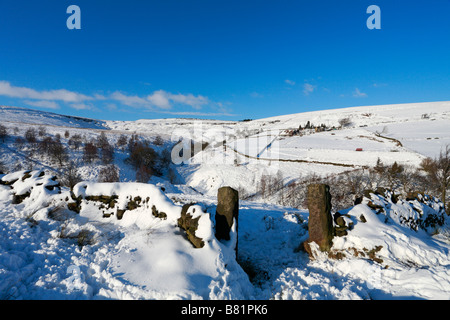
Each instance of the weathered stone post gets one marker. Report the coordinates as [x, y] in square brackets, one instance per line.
[320, 225]
[227, 210]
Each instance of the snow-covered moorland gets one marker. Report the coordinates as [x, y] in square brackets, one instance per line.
[121, 240]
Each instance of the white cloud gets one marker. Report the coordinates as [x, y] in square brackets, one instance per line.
[359, 94]
[308, 88]
[128, 100]
[194, 101]
[43, 104]
[198, 114]
[82, 106]
[160, 99]
[6, 89]
[157, 100]
[290, 82]
[256, 95]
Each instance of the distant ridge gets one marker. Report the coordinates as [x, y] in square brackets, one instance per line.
[32, 116]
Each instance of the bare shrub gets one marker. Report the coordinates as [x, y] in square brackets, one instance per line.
[122, 141]
[71, 175]
[90, 152]
[75, 141]
[158, 141]
[42, 131]
[345, 122]
[109, 173]
[3, 133]
[107, 153]
[58, 153]
[438, 173]
[30, 135]
[143, 174]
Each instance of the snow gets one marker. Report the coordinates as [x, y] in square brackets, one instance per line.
[50, 252]
[15, 115]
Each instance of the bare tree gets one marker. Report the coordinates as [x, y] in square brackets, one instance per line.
[107, 153]
[90, 152]
[3, 168]
[42, 131]
[438, 173]
[122, 141]
[71, 175]
[109, 173]
[345, 122]
[75, 141]
[143, 173]
[58, 153]
[102, 141]
[30, 135]
[3, 133]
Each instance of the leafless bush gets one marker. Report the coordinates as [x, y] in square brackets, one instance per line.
[107, 153]
[102, 141]
[158, 141]
[71, 175]
[345, 122]
[42, 131]
[437, 172]
[90, 153]
[2, 167]
[58, 153]
[143, 173]
[109, 173]
[75, 141]
[270, 184]
[3, 133]
[122, 141]
[30, 135]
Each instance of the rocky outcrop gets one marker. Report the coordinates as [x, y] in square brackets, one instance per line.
[22, 183]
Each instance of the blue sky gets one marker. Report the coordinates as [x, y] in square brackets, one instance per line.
[220, 59]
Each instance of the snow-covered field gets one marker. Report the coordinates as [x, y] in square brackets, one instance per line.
[51, 252]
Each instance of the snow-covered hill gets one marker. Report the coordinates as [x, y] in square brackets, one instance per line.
[392, 249]
[19, 116]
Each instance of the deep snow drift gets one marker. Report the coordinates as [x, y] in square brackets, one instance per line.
[392, 250]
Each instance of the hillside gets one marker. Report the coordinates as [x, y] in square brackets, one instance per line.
[60, 244]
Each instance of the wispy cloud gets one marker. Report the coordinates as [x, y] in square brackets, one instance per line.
[83, 106]
[161, 99]
[43, 104]
[131, 101]
[189, 99]
[197, 114]
[358, 94]
[255, 94]
[155, 101]
[308, 88]
[290, 82]
[6, 89]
